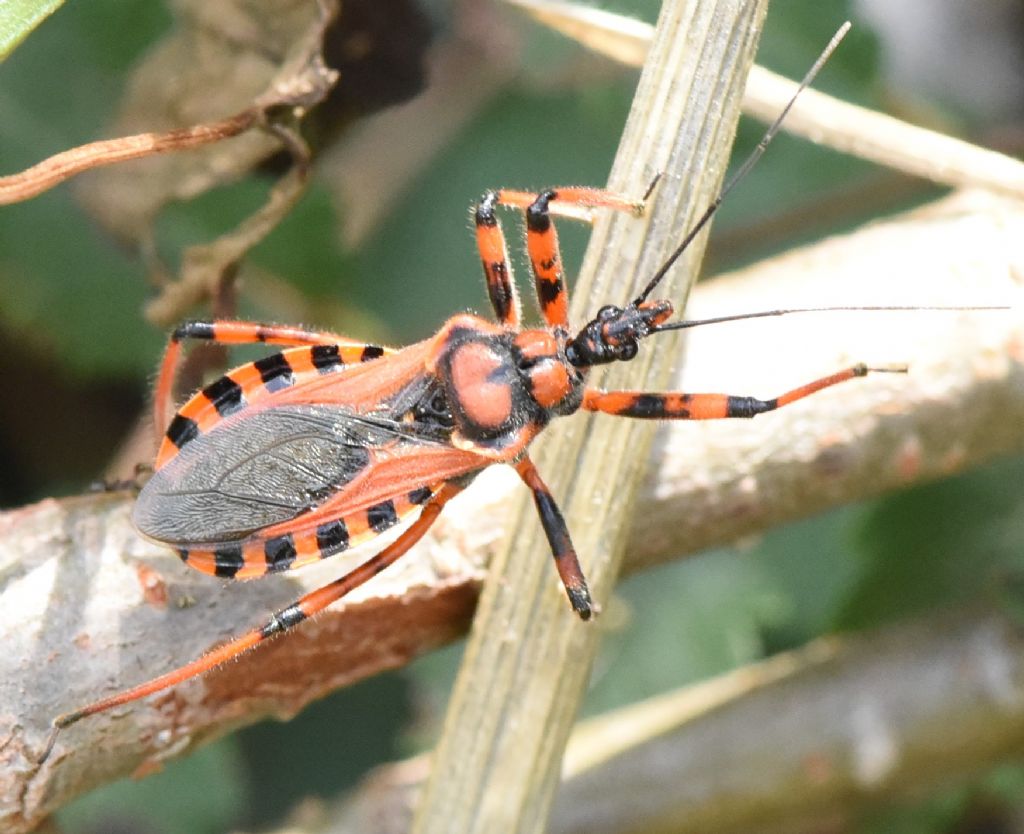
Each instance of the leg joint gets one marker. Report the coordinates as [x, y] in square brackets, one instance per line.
[484, 214]
[281, 621]
[538, 218]
[193, 330]
[748, 406]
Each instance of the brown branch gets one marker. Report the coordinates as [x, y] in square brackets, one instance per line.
[300, 84]
[81, 619]
[62, 166]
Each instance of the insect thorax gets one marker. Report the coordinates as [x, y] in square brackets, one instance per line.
[498, 383]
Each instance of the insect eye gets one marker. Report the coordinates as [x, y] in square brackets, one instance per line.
[609, 311]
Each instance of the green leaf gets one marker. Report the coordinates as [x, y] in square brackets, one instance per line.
[19, 17]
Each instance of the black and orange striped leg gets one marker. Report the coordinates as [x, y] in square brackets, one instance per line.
[557, 532]
[227, 333]
[546, 261]
[542, 239]
[490, 240]
[678, 406]
[279, 622]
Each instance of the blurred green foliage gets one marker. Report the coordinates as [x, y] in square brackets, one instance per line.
[70, 303]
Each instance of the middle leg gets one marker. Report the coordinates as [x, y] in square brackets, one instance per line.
[566, 560]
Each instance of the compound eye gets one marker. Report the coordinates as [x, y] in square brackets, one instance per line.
[609, 311]
[626, 351]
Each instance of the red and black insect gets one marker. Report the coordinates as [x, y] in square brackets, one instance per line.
[297, 456]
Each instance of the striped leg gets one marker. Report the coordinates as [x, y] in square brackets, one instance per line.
[228, 333]
[678, 406]
[542, 242]
[490, 240]
[555, 529]
[279, 622]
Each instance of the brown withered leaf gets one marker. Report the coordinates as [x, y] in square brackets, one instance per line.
[284, 59]
[218, 60]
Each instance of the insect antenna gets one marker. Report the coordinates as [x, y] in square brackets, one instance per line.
[688, 323]
[744, 169]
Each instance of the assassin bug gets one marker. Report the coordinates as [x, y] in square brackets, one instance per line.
[297, 456]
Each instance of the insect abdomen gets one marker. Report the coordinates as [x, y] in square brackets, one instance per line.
[251, 383]
[267, 552]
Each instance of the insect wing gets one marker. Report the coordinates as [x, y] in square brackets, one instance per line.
[253, 472]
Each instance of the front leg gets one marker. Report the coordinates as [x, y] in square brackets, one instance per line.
[575, 202]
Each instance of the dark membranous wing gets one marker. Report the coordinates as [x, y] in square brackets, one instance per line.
[265, 467]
